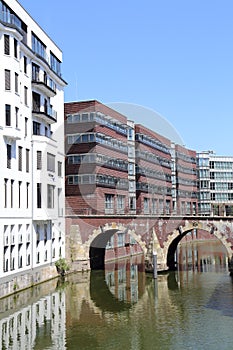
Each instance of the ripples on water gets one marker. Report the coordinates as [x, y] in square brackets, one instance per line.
[124, 308]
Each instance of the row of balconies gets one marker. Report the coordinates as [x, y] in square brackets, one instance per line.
[10, 239]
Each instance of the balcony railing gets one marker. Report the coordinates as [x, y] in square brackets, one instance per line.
[14, 22]
[44, 83]
[45, 112]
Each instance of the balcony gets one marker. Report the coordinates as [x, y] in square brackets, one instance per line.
[44, 84]
[45, 112]
[12, 21]
[11, 133]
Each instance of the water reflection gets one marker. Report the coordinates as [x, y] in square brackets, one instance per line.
[27, 323]
[124, 280]
[124, 308]
[201, 256]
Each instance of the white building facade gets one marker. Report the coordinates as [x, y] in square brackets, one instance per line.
[215, 182]
[32, 222]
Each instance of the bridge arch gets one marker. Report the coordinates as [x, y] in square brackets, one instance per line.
[175, 237]
[97, 242]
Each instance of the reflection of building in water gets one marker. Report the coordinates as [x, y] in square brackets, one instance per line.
[201, 256]
[121, 245]
[122, 279]
[39, 325]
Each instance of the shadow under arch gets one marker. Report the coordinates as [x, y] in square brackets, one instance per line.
[171, 263]
[97, 249]
[102, 296]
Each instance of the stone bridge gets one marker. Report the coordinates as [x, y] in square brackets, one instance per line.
[87, 236]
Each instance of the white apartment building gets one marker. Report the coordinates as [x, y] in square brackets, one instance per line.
[215, 181]
[32, 225]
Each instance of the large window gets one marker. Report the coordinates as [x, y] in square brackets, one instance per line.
[39, 188]
[59, 169]
[38, 47]
[50, 196]
[35, 72]
[6, 44]
[109, 203]
[16, 83]
[8, 115]
[55, 64]
[50, 162]
[8, 149]
[39, 160]
[7, 79]
[36, 128]
[27, 160]
[20, 160]
[15, 48]
[5, 192]
[25, 95]
[120, 203]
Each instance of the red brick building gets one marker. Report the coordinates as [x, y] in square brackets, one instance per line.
[184, 174]
[96, 159]
[153, 172]
[116, 167]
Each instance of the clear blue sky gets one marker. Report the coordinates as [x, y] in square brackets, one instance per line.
[172, 56]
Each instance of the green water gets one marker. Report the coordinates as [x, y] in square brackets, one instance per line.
[124, 308]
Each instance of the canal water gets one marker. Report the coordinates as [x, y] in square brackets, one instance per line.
[124, 308]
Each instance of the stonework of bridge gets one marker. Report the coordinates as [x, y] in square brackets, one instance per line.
[87, 236]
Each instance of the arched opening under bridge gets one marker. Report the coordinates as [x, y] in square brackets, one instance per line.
[180, 233]
[100, 239]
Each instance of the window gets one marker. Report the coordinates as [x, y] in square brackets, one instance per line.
[39, 188]
[109, 198]
[50, 162]
[39, 160]
[120, 203]
[130, 134]
[146, 205]
[8, 115]
[38, 46]
[212, 186]
[15, 48]
[55, 64]
[20, 183]
[5, 193]
[45, 232]
[212, 196]
[12, 193]
[35, 101]
[16, 117]
[20, 158]
[131, 169]
[35, 72]
[25, 64]
[8, 149]
[27, 195]
[25, 127]
[25, 95]
[6, 44]
[7, 79]
[59, 169]
[27, 160]
[36, 128]
[50, 196]
[16, 83]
